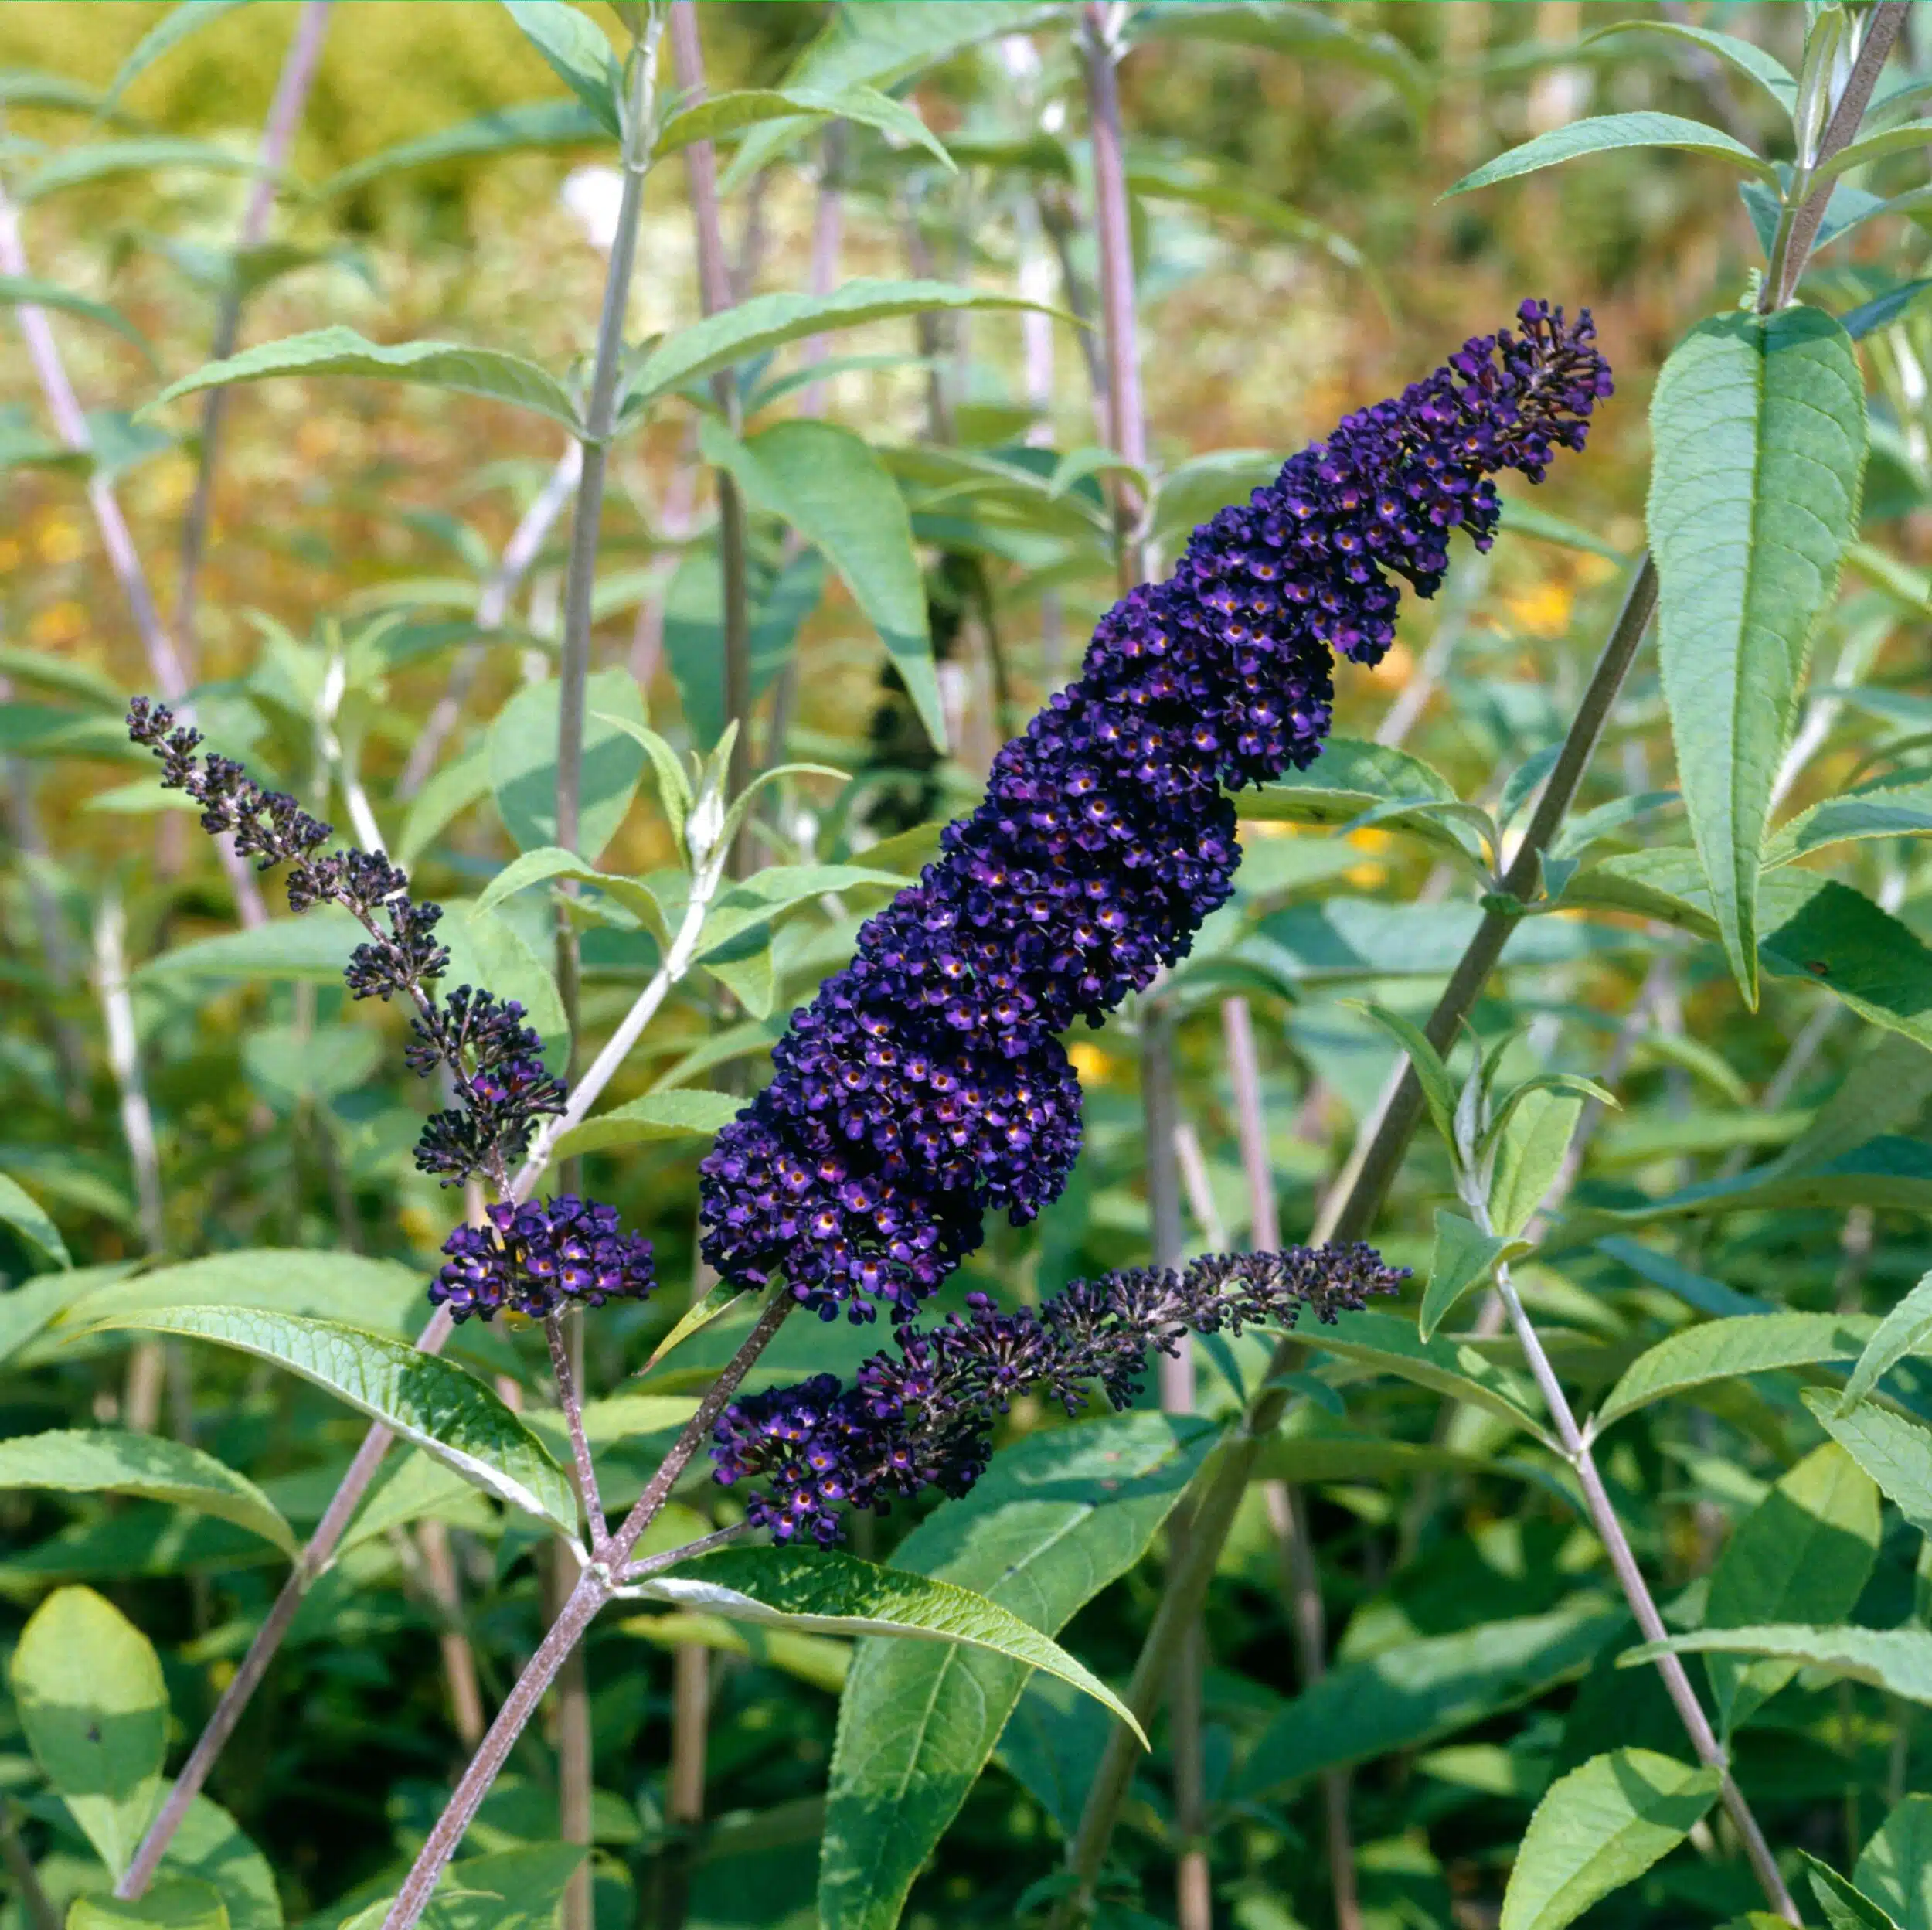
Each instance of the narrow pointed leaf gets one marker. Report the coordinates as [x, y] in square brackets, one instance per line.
[1414, 1693]
[1895, 1451]
[577, 53]
[529, 124]
[832, 489]
[338, 351]
[1464, 1258]
[1602, 133]
[1845, 1906]
[17, 290]
[1721, 1349]
[1767, 69]
[25, 1214]
[146, 154]
[1899, 1660]
[101, 1461]
[430, 1402]
[1758, 423]
[1389, 1345]
[1906, 1329]
[1055, 1518]
[767, 321]
[176, 24]
[685, 1113]
[839, 1595]
[723, 114]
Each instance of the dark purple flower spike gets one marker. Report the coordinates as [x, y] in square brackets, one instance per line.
[924, 1086]
[924, 1416]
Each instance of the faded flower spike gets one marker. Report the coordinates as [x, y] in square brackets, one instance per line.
[539, 1258]
[924, 1086]
[923, 1417]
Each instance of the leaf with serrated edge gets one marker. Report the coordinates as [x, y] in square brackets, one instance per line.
[1464, 1257]
[1803, 1554]
[1604, 132]
[1600, 1827]
[20, 1210]
[1721, 1349]
[764, 322]
[1895, 1451]
[1894, 1870]
[426, 1399]
[339, 351]
[1390, 1345]
[1758, 425]
[1896, 1660]
[683, 1113]
[839, 1595]
[1906, 1329]
[1416, 1692]
[1056, 1517]
[1844, 1907]
[101, 1461]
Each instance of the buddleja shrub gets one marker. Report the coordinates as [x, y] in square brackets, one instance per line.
[923, 1090]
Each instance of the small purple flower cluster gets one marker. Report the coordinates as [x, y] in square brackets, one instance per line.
[494, 1062]
[923, 1417]
[539, 1257]
[924, 1086]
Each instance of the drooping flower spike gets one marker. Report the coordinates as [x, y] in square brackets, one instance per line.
[924, 1416]
[532, 1259]
[924, 1085]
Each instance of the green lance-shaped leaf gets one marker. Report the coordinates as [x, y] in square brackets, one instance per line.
[88, 1684]
[338, 351]
[16, 289]
[1600, 1827]
[1845, 1906]
[1389, 1345]
[1894, 1450]
[721, 114]
[685, 1113]
[175, 25]
[1766, 69]
[1758, 425]
[575, 50]
[1723, 1349]
[767, 321]
[1415, 1692]
[1899, 1660]
[174, 1903]
[832, 489]
[1803, 1554]
[839, 1594]
[1906, 1329]
[1603, 132]
[430, 1402]
[1894, 1870]
[1464, 1257]
[1535, 1131]
[1355, 779]
[529, 123]
[1055, 1519]
[103, 1461]
[877, 45]
[25, 1214]
[522, 751]
[147, 153]
[366, 1292]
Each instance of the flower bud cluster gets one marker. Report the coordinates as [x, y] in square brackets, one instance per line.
[924, 1416]
[538, 1258]
[924, 1086]
[535, 1259]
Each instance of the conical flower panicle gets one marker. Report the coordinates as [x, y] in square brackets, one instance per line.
[923, 1416]
[924, 1086]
